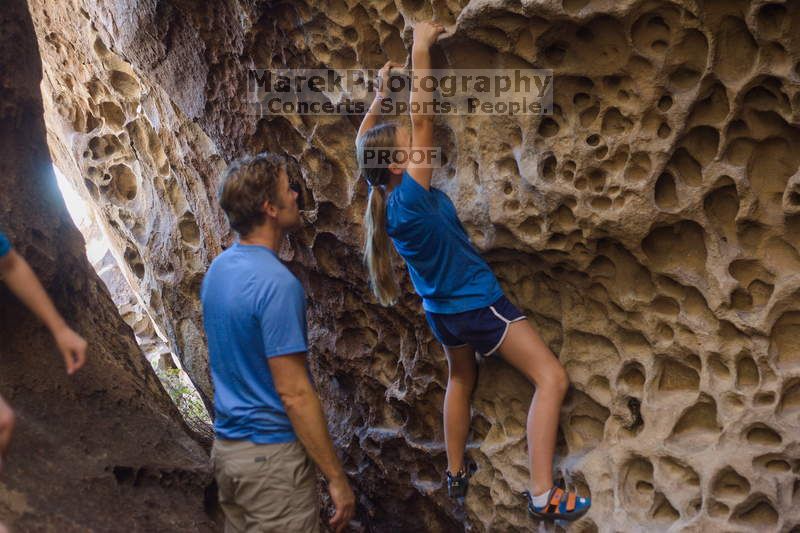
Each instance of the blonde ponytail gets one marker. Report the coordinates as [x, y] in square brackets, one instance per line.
[377, 246]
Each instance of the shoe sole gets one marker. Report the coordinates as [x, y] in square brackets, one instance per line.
[558, 516]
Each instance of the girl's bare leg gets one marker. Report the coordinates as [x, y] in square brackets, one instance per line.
[524, 349]
[457, 413]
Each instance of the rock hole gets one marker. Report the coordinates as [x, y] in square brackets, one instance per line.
[123, 182]
[597, 179]
[785, 340]
[757, 513]
[614, 123]
[564, 218]
[718, 509]
[746, 373]
[763, 435]
[666, 195]
[721, 207]
[772, 463]
[134, 261]
[679, 472]
[637, 483]
[665, 305]
[698, 424]
[650, 33]
[686, 167]
[663, 511]
[531, 226]
[790, 398]
[675, 376]
[728, 484]
[770, 20]
[736, 49]
[684, 78]
[761, 99]
[588, 116]
[125, 84]
[678, 246]
[702, 143]
[664, 332]
[635, 407]
[659, 46]
[639, 167]
[764, 398]
[741, 300]
[113, 114]
[555, 53]
[548, 168]
[712, 109]
[104, 146]
[100, 48]
[351, 34]
[581, 99]
[586, 421]
[548, 127]
[189, 230]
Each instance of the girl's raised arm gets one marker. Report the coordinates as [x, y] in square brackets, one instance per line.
[425, 34]
[372, 113]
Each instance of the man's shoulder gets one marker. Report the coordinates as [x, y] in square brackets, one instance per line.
[253, 266]
[272, 276]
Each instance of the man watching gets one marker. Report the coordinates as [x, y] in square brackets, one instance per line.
[254, 315]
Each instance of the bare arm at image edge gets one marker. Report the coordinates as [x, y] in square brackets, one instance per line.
[22, 281]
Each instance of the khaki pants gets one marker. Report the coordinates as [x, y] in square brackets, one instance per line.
[266, 487]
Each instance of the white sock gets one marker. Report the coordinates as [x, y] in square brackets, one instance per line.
[541, 499]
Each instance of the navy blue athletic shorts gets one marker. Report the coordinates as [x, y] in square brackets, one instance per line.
[484, 329]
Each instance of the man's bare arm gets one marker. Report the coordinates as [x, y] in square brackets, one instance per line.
[302, 404]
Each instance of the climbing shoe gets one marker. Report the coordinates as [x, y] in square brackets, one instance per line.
[561, 505]
[458, 483]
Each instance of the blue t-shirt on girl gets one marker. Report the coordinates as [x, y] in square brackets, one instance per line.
[446, 269]
[254, 308]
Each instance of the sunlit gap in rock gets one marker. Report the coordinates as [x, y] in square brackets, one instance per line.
[155, 347]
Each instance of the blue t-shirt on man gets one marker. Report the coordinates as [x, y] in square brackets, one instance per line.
[254, 308]
[5, 245]
[445, 268]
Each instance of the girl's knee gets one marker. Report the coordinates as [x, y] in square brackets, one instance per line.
[562, 380]
[463, 377]
[556, 380]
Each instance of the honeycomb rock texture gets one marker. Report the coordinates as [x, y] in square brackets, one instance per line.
[649, 228]
[105, 449]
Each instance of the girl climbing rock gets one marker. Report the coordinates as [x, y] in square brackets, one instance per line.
[464, 304]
